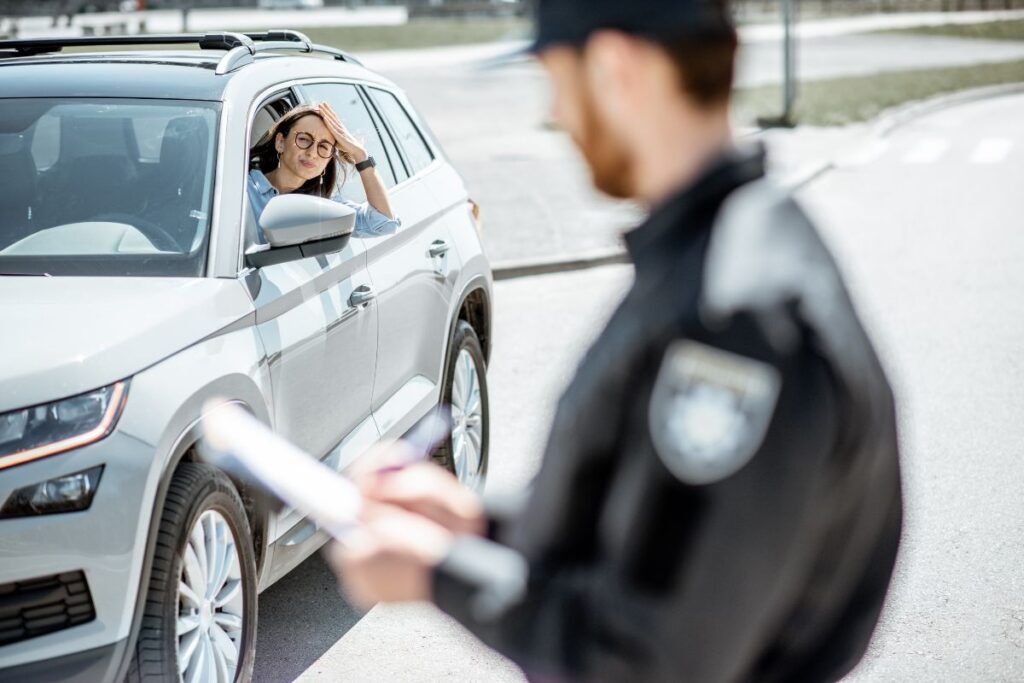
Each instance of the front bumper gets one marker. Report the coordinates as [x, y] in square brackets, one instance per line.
[106, 543]
[99, 664]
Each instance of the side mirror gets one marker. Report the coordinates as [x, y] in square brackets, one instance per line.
[299, 226]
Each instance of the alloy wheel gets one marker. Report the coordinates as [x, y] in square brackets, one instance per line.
[467, 421]
[211, 606]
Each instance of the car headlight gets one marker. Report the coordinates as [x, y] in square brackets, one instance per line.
[41, 431]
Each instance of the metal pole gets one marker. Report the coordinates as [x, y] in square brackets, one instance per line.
[785, 118]
[789, 59]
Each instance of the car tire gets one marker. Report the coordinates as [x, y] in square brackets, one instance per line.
[202, 506]
[469, 436]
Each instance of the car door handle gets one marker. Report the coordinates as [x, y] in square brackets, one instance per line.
[438, 248]
[361, 295]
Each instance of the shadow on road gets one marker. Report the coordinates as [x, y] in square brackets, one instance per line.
[300, 618]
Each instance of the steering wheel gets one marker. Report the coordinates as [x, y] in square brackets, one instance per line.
[161, 239]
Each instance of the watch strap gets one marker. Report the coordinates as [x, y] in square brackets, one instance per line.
[368, 162]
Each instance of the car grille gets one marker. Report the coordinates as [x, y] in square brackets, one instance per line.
[38, 606]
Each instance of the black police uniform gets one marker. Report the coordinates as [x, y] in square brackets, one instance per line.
[720, 498]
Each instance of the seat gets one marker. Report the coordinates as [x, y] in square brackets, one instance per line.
[19, 194]
[89, 186]
[175, 191]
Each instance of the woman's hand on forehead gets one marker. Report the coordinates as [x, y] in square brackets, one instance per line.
[343, 138]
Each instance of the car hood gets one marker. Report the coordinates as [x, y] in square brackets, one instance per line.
[62, 336]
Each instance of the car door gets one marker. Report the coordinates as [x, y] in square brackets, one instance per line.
[320, 335]
[411, 270]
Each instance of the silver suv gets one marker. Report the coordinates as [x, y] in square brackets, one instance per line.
[135, 286]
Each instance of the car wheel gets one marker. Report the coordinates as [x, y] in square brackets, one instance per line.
[199, 622]
[464, 452]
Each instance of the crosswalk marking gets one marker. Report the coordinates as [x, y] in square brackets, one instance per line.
[865, 154]
[991, 151]
[926, 151]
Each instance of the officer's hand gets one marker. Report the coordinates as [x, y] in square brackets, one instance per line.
[390, 557]
[430, 491]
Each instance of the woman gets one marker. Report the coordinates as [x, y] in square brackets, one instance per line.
[297, 155]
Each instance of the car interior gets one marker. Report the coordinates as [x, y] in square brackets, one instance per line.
[84, 165]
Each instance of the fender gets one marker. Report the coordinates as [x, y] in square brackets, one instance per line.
[181, 448]
[478, 282]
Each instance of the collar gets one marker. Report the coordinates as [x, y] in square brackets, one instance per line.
[263, 185]
[684, 213]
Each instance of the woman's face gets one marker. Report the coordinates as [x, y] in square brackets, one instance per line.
[304, 163]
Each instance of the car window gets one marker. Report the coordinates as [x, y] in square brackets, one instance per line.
[417, 153]
[397, 163]
[106, 186]
[345, 100]
[265, 118]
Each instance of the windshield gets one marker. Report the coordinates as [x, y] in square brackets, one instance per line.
[105, 187]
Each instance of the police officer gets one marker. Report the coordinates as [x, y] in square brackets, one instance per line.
[719, 498]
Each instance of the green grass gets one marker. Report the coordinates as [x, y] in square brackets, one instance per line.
[420, 33]
[993, 30]
[841, 101]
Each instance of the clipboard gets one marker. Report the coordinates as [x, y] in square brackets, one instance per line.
[235, 441]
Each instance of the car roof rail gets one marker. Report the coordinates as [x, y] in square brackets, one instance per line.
[221, 40]
[241, 47]
[278, 40]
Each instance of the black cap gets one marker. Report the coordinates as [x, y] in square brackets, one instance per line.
[570, 22]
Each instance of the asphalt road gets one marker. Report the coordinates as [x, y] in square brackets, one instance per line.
[927, 228]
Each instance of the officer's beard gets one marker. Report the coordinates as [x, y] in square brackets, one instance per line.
[611, 166]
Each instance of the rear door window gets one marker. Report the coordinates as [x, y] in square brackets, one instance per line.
[410, 139]
[345, 100]
[394, 156]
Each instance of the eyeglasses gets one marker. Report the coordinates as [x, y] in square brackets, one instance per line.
[324, 149]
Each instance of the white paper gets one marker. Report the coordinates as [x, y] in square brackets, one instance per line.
[301, 481]
[241, 442]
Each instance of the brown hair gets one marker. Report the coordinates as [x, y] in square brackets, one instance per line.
[705, 65]
[264, 156]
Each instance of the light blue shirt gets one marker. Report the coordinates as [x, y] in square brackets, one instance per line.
[369, 221]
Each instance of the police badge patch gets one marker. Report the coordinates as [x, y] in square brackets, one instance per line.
[710, 410]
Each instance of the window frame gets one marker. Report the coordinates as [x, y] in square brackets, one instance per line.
[358, 85]
[275, 93]
[380, 121]
[295, 88]
[435, 155]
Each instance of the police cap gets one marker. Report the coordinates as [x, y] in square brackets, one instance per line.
[570, 22]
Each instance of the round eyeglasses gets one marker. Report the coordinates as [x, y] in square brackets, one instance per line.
[324, 150]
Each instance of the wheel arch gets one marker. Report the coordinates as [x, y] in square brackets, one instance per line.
[475, 308]
[184, 449]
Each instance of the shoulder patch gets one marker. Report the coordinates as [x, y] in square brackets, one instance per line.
[710, 410]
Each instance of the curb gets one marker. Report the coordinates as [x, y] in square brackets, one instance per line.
[890, 120]
[884, 125]
[507, 270]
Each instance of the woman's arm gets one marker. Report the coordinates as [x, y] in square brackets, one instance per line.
[376, 194]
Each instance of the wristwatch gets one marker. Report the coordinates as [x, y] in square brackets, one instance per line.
[368, 162]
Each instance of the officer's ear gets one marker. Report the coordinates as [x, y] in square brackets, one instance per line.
[613, 66]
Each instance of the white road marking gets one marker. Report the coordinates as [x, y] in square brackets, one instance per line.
[926, 151]
[865, 154]
[991, 151]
